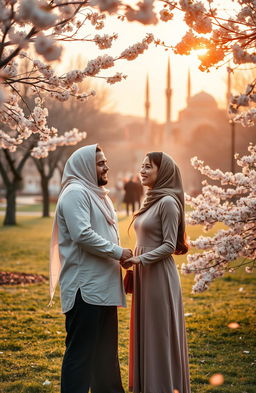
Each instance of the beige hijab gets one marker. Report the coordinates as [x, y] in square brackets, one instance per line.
[168, 182]
[80, 169]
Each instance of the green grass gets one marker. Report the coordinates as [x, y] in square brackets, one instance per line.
[37, 207]
[32, 335]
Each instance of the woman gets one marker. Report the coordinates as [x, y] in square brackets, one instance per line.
[158, 349]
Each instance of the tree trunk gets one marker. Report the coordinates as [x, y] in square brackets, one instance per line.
[10, 213]
[46, 196]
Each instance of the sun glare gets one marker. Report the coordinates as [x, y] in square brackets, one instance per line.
[200, 52]
[193, 57]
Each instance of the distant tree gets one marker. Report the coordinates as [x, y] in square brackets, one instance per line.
[11, 171]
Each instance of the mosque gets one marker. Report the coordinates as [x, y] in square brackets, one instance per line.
[201, 109]
[202, 129]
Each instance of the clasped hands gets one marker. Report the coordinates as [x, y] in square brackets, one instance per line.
[127, 258]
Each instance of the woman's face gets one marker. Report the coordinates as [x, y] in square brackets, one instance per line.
[148, 173]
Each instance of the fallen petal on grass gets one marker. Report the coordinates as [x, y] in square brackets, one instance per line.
[233, 325]
[46, 382]
[216, 380]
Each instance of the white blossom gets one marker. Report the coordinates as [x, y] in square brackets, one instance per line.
[135, 50]
[247, 119]
[235, 207]
[241, 56]
[2, 97]
[69, 138]
[46, 47]
[196, 16]
[101, 62]
[35, 11]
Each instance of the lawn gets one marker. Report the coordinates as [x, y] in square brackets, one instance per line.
[37, 207]
[32, 335]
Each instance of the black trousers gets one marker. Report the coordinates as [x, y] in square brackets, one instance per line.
[91, 357]
[132, 206]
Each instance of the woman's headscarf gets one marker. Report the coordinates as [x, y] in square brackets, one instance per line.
[80, 169]
[168, 182]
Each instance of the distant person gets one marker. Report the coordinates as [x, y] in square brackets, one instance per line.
[130, 189]
[119, 192]
[85, 251]
[139, 191]
[158, 348]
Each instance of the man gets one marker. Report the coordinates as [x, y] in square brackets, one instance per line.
[90, 278]
[130, 189]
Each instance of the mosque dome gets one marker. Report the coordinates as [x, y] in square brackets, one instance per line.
[203, 99]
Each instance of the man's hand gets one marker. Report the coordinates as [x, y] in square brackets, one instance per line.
[127, 253]
[129, 262]
[125, 265]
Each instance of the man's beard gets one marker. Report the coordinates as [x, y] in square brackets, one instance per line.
[102, 182]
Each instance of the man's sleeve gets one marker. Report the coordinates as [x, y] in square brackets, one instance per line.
[76, 211]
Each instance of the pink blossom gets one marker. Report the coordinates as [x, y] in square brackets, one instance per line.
[118, 77]
[105, 41]
[166, 15]
[144, 13]
[107, 5]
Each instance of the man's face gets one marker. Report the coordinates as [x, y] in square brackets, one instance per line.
[101, 168]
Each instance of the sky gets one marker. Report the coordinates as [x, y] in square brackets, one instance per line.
[128, 96]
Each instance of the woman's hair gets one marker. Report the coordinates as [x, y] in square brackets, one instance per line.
[182, 245]
[155, 157]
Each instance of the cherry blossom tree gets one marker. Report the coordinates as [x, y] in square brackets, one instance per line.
[226, 32]
[31, 28]
[234, 205]
[33, 31]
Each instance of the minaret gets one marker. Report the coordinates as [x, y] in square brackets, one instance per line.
[228, 94]
[147, 132]
[147, 102]
[168, 92]
[188, 87]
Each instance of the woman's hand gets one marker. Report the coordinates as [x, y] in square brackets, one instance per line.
[129, 262]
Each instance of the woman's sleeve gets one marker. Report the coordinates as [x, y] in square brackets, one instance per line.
[76, 207]
[169, 214]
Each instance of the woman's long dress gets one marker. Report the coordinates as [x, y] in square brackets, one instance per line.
[158, 349]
